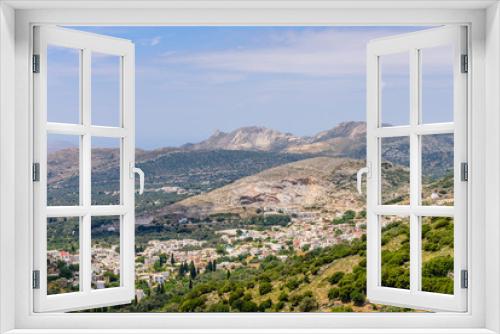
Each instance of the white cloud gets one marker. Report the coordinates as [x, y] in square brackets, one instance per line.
[315, 53]
[155, 41]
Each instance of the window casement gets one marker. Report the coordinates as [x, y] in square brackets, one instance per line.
[83, 130]
[401, 60]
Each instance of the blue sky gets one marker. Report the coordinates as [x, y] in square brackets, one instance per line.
[191, 81]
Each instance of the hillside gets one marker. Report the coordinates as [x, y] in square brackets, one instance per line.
[322, 183]
[173, 174]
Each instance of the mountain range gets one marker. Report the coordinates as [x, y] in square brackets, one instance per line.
[250, 166]
[346, 139]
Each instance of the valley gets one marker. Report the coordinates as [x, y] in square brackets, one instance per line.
[252, 220]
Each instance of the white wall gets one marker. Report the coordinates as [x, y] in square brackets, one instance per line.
[492, 188]
[7, 167]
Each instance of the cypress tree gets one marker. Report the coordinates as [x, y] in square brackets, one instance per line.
[192, 270]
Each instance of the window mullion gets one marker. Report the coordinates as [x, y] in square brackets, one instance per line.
[414, 171]
[86, 168]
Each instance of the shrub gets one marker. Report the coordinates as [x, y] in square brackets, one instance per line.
[265, 288]
[308, 304]
[219, 307]
[336, 277]
[279, 306]
[358, 298]
[333, 293]
[283, 297]
[342, 308]
[266, 304]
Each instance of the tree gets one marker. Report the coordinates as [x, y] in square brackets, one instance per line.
[192, 270]
[214, 265]
[209, 266]
[183, 269]
[163, 259]
[172, 259]
[228, 275]
[157, 266]
[190, 284]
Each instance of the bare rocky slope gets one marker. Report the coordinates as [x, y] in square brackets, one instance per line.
[324, 184]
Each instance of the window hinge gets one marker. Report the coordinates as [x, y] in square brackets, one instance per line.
[36, 279]
[36, 172]
[464, 171]
[465, 63]
[36, 63]
[464, 279]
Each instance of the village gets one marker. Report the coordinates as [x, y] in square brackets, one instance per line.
[306, 231]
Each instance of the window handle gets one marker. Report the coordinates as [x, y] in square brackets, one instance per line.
[359, 177]
[134, 170]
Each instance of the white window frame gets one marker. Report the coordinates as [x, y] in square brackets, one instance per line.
[483, 18]
[411, 44]
[86, 43]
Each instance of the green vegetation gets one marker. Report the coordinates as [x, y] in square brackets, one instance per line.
[330, 279]
[347, 217]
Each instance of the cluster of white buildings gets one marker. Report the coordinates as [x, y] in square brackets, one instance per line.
[104, 260]
[313, 233]
[53, 257]
[307, 230]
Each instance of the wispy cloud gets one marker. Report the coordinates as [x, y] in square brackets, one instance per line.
[150, 41]
[324, 53]
[155, 41]
[315, 53]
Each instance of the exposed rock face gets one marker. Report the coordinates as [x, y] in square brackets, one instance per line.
[248, 138]
[323, 183]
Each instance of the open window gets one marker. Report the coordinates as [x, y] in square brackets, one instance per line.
[70, 70]
[84, 170]
[410, 76]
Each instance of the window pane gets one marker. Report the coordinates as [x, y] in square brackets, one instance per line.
[395, 170]
[437, 169]
[395, 248]
[105, 252]
[63, 84]
[63, 170]
[437, 254]
[105, 171]
[395, 89]
[106, 89]
[63, 255]
[437, 84]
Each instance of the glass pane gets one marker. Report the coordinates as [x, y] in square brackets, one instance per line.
[437, 84]
[63, 84]
[105, 235]
[437, 254]
[437, 169]
[395, 171]
[395, 245]
[105, 171]
[106, 89]
[395, 89]
[63, 255]
[63, 170]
